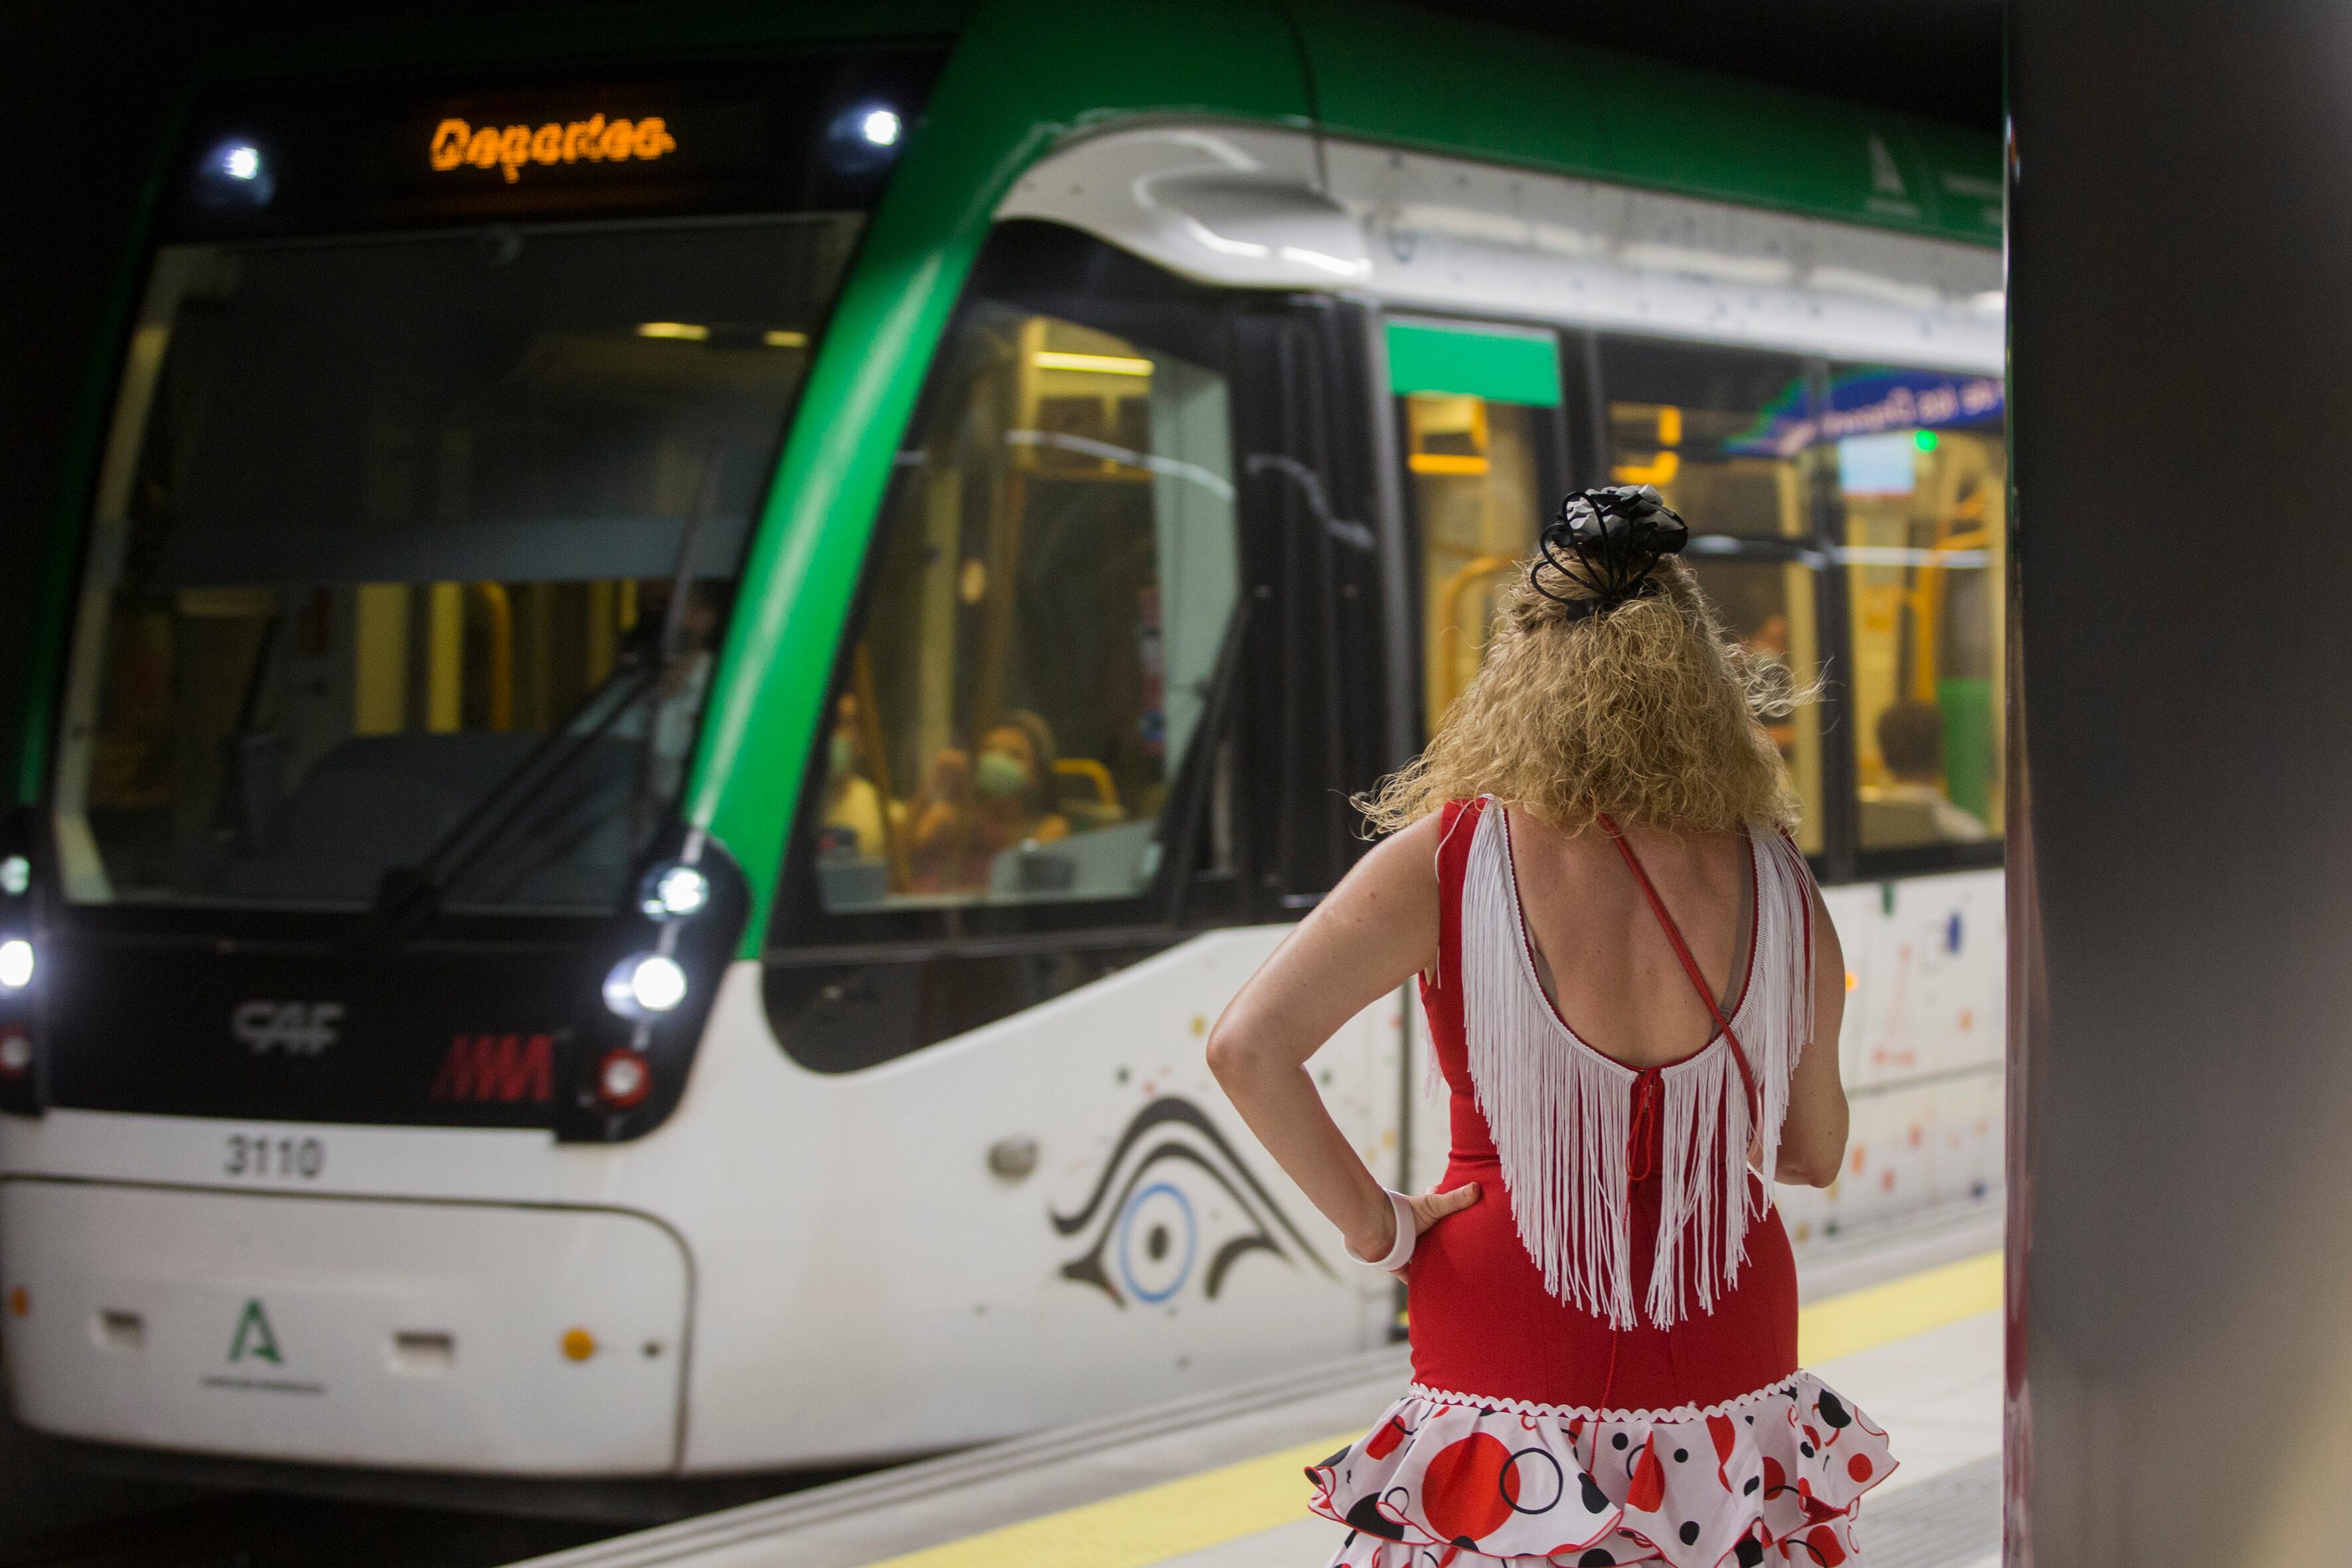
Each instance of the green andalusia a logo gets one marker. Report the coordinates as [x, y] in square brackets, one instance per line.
[253, 1336]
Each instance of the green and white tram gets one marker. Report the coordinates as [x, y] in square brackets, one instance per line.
[689, 658]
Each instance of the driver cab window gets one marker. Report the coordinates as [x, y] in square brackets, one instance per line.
[1057, 568]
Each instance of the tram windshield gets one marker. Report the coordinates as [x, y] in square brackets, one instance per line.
[411, 555]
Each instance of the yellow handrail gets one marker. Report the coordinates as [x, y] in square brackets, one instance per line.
[501, 612]
[1094, 773]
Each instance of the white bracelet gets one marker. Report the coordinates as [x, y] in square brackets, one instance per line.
[1407, 1233]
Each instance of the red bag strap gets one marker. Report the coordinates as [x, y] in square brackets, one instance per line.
[1690, 964]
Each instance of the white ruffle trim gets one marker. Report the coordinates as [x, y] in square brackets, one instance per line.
[1771, 1477]
[1740, 1406]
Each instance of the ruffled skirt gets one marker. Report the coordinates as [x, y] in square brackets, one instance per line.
[1449, 1480]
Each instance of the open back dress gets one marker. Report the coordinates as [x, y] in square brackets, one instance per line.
[1604, 1346]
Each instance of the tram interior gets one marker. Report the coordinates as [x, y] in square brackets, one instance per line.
[411, 521]
[1915, 535]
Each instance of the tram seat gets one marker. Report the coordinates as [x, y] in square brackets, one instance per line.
[402, 793]
[1105, 863]
[848, 881]
[1899, 824]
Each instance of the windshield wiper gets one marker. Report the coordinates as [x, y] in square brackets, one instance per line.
[408, 896]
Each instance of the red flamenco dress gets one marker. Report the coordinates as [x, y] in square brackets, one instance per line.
[1556, 1416]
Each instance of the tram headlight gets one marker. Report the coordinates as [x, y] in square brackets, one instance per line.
[673, 892]
[644, 985]
[235, 174]
[16, 963]
[864, 138]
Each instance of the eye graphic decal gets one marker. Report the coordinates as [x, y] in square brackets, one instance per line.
[1175, 1204]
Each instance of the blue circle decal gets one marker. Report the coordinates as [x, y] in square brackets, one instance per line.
[1157, 1238]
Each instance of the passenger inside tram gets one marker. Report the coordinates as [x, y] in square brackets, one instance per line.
[853, 814]
[1911, 808]
[973, 813]
[683, 655]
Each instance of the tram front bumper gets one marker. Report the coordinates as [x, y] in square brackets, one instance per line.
[442, 1336]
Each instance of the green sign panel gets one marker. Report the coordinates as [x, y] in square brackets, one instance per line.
[1499, 367]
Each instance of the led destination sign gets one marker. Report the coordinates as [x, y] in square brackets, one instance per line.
[459, 144]
[787, 133]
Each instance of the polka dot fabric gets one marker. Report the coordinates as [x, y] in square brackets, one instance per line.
[1450, 1481]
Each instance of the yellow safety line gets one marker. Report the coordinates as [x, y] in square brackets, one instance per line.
[1195, 1512]
[1882, 1314]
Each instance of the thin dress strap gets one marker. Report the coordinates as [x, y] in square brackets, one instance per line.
[1682, 952]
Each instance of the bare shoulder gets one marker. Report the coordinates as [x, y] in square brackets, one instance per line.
[1417, 841]
[1403, 866]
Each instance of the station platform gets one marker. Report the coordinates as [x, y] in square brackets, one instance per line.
[1907, 1322]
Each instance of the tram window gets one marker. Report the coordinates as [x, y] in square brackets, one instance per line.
[1057, 569]
[1922, 545]
[1772, 608]
[385, 518]
[1480, 502]
[1479, 409]
[1711, 428]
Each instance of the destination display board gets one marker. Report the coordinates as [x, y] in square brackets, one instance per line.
[794, 133]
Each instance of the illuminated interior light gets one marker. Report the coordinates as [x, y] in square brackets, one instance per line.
[881, 127]
[241, 162]
[16, 963]
[578, 1344]
[672, 892]
[1101, 364]
[1660, 470]
[15, 876]
[1924, 439]
[684, 331]
[645, 985]
[785, 340]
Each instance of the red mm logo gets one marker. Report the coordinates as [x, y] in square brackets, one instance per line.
[498, 1067]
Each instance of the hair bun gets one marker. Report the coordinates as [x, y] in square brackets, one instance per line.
[1606, 541]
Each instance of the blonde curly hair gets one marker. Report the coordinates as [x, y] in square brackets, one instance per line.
[1647, 711]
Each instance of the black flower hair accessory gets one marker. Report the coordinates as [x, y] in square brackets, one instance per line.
[1608, 541]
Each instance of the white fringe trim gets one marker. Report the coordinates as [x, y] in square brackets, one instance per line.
[1559, 1116]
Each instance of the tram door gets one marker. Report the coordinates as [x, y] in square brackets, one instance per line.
[1479, 412]
[1116, 668]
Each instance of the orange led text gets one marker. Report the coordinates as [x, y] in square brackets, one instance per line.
[457, 144]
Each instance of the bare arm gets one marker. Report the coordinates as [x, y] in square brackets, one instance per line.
[1812, 1139]
[1375, 931]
